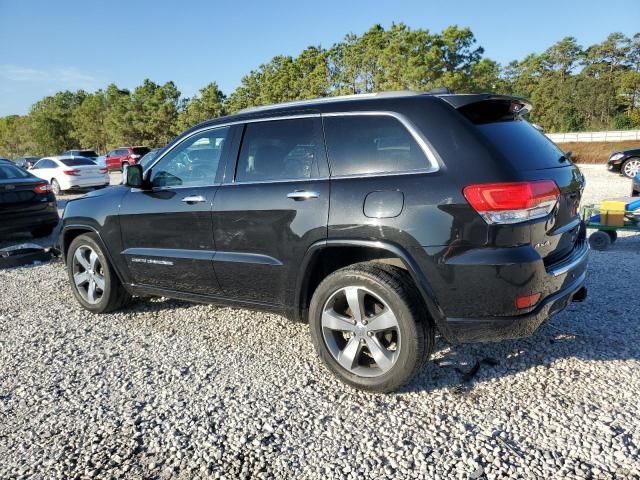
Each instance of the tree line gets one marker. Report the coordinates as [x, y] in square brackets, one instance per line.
[572, 88]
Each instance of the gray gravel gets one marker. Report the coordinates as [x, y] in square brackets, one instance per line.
[167, 389]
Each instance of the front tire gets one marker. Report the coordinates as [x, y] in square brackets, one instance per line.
[370, 327]
[631, 167]
[93, 281]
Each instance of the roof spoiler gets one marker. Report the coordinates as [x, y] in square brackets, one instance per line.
[518, 105]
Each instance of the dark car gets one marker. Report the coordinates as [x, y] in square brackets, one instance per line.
[379, 219]
[27, 203]
[122, 157]
[26, 162]
[635, 185]
[626, 162]
[90, 154]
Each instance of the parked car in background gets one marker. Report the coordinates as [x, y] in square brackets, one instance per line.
[70, 173]
[635, 185]
[626, 162]
[377, 218]
[90, 154]
[122, 157]
[26, 162]
[27, 203]
[101, 161]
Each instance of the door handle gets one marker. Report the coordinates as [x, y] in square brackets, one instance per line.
[194, 199]
[300, 195]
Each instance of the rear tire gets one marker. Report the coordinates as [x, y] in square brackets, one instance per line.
[370, 326]
[600, 240]
[613, 235]
[93, 281]
[55, 186]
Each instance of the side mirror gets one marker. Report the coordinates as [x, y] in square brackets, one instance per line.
[134, 177]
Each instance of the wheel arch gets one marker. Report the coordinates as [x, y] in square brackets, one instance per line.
[70, 232]
[321, 260]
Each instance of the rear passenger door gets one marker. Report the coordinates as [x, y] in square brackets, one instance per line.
[273, 205]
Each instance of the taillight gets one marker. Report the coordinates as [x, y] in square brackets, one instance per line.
[42, 188]
[72, 173]
[134, 156]
[103, 170]
[513, 202]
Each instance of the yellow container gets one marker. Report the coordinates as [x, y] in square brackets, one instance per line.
[612, 212]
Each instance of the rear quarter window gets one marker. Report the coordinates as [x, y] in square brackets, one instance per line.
[366, 144]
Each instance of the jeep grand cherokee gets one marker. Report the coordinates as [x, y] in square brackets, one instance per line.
[377, 218]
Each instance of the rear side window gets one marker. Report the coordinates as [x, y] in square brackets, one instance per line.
[522, 145]
[280, 150]
[77, 162]
[364, 144]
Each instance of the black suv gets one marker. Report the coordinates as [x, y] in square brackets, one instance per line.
[379, 219]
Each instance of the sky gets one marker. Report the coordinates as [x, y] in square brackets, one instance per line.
[47, 46]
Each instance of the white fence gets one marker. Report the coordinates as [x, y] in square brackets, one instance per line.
[610, 136]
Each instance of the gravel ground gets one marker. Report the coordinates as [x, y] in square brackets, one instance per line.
[167, 389]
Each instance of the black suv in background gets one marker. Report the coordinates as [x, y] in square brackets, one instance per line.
[377, 218]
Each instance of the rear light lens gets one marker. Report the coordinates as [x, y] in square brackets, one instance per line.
[72, 173]
[513, 202]
[103, 170]
[527, 301]
[42, 189]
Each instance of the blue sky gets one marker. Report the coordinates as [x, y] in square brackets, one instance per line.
[46, 46]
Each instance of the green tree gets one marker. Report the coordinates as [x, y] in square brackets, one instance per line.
[51, 124]
[89, 122]
[209, 104]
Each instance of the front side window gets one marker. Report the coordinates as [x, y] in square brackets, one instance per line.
[280, 150]
[366, 144]
[192, 163]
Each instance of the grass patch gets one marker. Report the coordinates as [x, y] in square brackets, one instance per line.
[595, 152]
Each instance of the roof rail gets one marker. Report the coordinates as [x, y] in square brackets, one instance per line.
[339, 98]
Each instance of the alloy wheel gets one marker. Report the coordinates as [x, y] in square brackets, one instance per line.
[631, 167]
[361, 331]
[88, 274]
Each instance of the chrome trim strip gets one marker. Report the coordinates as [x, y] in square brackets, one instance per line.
[415, 133]
[571, 262]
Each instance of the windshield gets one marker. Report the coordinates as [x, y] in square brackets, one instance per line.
[77, 162]
[9, 172]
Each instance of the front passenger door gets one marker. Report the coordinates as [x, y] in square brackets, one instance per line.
[167, 231]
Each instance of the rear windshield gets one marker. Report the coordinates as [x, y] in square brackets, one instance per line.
[140, 150]
[77, 162]
[525, 147]
[9, 172]
[87, 153]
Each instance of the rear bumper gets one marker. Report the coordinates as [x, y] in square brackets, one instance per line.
[562, 284]
[469, 330]
[82, 183]
[29, 222]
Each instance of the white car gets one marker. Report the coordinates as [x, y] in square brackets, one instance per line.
[70, 173]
